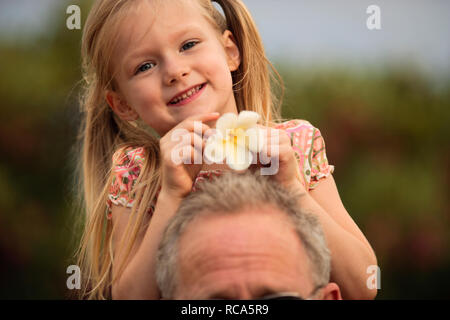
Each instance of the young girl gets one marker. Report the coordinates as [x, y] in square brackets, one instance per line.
[152, 67]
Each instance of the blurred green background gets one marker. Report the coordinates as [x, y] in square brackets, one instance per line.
[386, 129]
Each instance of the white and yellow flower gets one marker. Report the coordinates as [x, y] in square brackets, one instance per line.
[236, 138]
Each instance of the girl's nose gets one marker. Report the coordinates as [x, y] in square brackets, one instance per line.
[176, 69]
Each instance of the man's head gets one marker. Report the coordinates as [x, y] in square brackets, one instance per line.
[242, 236]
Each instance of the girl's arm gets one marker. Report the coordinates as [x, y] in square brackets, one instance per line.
[138, 278]
[351, 253]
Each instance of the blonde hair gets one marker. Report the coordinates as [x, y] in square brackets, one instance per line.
[103, 133]
[231, 194]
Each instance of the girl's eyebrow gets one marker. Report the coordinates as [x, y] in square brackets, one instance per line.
[183, 31]
[172, 37]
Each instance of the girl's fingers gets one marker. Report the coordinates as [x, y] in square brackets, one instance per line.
[197, 125]
[192, 124]
[188, 151]
[192, 155]
[197, 141]
[272, 151]
[280, 137]
[182, 135]
[275, 150]
[192, 139]
[285, 138]
[188, 123]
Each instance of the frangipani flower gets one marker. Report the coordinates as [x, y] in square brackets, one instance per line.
[236, 137]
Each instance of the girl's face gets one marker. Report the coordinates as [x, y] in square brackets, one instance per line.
[164, 54]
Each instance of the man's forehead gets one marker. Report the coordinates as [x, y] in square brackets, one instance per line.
[251, 230]
[242, 252]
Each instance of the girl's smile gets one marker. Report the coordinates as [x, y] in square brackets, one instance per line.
[187, 96]
[170, 56]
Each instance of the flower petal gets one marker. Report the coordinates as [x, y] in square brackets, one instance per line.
[256, 139]
[215, 149]
[238, 158]
[247, 119]
[226, 122]
[240, 137]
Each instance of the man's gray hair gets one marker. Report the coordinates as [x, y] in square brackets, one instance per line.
[231, 193]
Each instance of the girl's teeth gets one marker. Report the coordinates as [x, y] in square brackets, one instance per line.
[187, 95]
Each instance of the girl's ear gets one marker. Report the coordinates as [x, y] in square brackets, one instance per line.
[120, 107]
[232, 51]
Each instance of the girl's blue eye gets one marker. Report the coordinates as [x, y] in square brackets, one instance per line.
[189, 45]
[145, 67]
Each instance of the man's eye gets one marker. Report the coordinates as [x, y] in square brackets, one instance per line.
[189, 45]
[145, 67]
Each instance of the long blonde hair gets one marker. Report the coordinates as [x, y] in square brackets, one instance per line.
[103, 132]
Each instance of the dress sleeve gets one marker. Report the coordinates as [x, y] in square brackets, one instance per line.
[127, 164]
[309, 147]
[320, 168]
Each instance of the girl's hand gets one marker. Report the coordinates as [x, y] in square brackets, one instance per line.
[177, 179]
[278, 147]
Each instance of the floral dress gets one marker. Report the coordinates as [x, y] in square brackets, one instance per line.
[307, 142]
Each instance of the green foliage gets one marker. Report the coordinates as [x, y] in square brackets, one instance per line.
[387, 134]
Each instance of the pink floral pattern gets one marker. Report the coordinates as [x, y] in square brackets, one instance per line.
[307, 142]
[127, 167]
[309, 147]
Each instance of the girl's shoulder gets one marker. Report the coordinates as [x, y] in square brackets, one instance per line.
[304, 136]
[127, 165]
[301, 131]
[126, 157]
[309, 147]
[295, 125]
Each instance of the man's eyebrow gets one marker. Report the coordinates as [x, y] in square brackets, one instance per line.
[221, 294]
[229, 294]
[264, 291]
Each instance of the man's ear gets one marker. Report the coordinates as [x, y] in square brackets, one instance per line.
[331, 292]
[232, 51]
[120, 106]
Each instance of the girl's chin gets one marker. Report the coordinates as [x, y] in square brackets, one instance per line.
[188, 111]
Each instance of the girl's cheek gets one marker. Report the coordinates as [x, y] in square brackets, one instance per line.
[218, 73]
[142, 91]
[214, 61]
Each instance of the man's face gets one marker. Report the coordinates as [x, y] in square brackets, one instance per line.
[242, 256]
